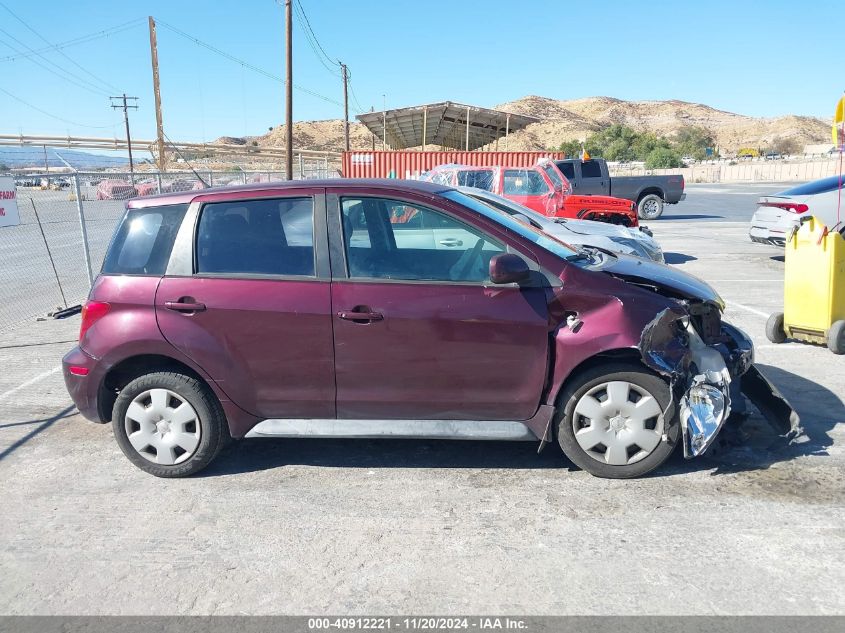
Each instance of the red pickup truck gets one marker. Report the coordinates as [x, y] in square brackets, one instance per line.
[542, 188]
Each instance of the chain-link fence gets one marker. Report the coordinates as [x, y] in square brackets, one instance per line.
[757, 170]
[66, 222]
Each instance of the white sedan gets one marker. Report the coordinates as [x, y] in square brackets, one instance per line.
[779, 214]
[612, 237]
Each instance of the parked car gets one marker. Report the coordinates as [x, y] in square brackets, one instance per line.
[216, 316]
[649, 193]
[115, 190]
[541, 188]
[612, 237]
[779, 214]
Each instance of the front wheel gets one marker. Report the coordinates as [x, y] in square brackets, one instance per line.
[618, 421]
[650, 207]
[836, 337]
[169, 424]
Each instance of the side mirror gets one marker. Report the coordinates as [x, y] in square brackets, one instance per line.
[508, 268]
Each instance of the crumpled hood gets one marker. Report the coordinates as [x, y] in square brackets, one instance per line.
[672, 281]
[591, 227]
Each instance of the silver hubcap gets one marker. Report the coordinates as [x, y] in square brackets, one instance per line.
[650, 208]
[618, 423]
[162, 427]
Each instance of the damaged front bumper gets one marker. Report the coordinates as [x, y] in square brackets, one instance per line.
[703, 376]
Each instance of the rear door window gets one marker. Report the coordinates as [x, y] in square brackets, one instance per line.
[478, 178]
[144, 240]
[524, 182]
[568, 170]
[591, 169]
[261, 237]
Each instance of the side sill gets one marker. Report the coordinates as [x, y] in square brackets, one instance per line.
[421, 429]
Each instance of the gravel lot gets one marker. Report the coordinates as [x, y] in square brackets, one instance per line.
[313, 526]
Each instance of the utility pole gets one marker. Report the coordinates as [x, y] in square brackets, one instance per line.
[125, 107]
[288, 91]
[162, 160]
[345, 106]
[383, 122]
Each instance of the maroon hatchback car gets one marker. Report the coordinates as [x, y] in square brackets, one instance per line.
[355, 308]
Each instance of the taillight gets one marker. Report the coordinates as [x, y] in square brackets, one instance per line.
[791, 207]
[92, 312]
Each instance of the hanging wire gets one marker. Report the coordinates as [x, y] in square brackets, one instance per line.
[83, 39]
[53, 116]
[59, 51]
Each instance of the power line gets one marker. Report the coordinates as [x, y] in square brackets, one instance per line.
[244, 63]
[82, 39]
[319, 52]
[80, 81]
[53, 116]
[60, 52]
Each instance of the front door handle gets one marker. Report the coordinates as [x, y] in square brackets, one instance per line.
[451, 241]
[184, 306]
[361, 316]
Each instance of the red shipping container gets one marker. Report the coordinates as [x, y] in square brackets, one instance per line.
[410, 164]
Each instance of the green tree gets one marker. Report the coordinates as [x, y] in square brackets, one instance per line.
[662, 158]
[572, 149]
[694, 141]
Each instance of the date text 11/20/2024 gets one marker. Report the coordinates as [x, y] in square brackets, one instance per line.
[417, 624]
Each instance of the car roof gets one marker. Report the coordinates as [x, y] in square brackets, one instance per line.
[182, 197]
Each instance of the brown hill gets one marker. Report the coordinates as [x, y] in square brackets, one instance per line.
[577, 118]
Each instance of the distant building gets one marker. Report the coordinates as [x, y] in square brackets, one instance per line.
[819, 149]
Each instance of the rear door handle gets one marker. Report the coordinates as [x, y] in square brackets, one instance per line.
[184, 306]
[451, 241]
[362, 317]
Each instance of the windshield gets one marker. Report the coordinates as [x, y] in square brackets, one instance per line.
[531, 234]
[556, 177]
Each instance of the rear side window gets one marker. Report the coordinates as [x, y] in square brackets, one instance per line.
[479, 178]
[591, 169]
[568, 170]
[816, 187]
[144, 240]
[524, 182]
[262, 237]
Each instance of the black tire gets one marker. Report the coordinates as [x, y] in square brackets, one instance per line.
[638, 376]
[836, 337]
[650, 207]
[774, 328]
[211, 422]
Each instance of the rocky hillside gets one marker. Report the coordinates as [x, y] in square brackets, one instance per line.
[577, 118]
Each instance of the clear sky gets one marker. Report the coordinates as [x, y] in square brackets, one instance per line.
[753, 57]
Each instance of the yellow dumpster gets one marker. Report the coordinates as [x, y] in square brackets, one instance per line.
[814, 289]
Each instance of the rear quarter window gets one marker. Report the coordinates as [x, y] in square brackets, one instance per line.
[144, 240]
[816, 187]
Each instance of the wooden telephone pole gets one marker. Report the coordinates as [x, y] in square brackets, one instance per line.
[288, 92]
[345, 106]
[162, 159]
[125, 107]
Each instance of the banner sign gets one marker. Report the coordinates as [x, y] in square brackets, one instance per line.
[8, 202]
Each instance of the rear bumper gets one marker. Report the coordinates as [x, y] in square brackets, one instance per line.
[766, 235]
[83, 389]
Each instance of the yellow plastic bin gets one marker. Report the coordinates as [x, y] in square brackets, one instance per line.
[814, 289]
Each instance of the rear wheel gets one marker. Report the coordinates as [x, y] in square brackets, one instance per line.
[650, 207]
[617, 420]
[774, 328]
[836, 337]
[169, 424]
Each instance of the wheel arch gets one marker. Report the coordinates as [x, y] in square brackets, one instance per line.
[132, 367]
[651, 190]
[621, 354]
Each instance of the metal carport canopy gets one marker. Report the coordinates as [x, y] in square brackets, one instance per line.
[447, 124]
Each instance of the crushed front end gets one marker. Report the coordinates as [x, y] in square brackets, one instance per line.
[710, 366]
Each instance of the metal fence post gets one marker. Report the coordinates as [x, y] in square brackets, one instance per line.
[300, 167]
[158, 175]
[83, 229]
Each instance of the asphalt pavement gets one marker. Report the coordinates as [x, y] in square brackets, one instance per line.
[372, 526]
